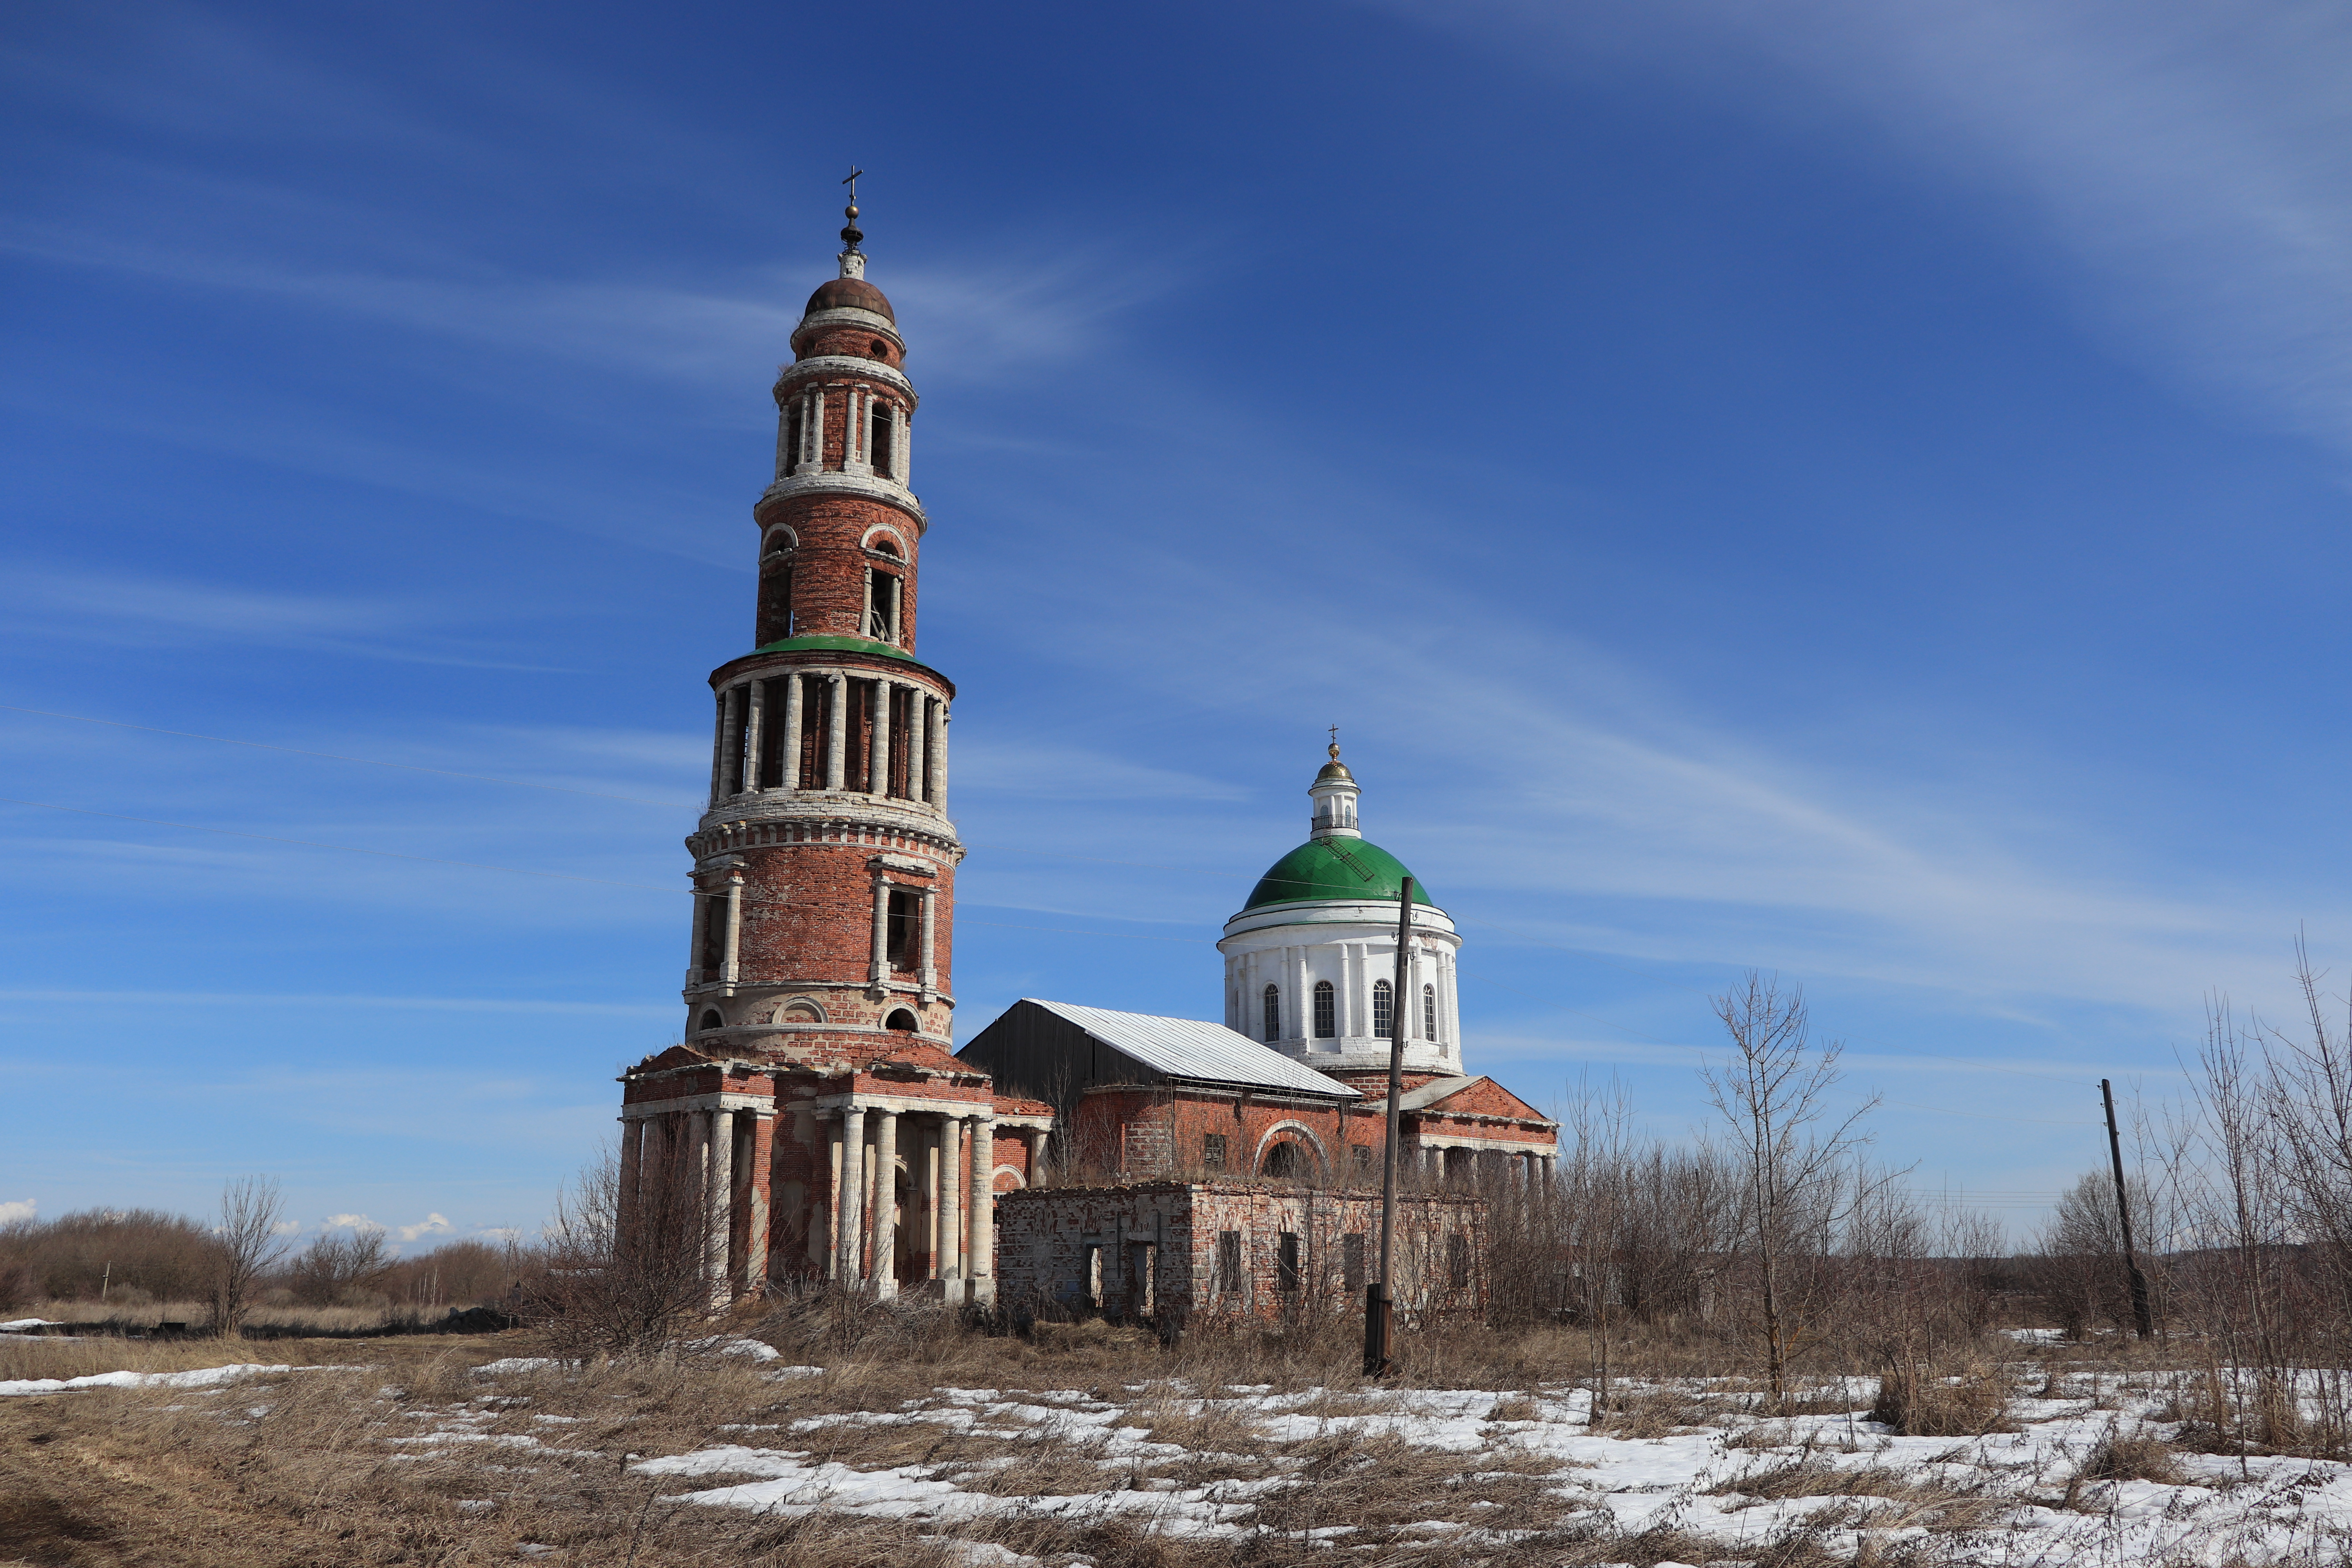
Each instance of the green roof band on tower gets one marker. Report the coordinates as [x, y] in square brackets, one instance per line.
[1334, 868]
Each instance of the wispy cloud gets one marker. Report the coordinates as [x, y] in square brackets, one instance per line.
[151, 612]
[2195, 159]
[1046, 770]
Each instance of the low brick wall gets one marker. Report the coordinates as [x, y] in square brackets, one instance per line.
[1171, 1251]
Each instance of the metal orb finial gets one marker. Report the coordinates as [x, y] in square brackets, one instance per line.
[850, 233]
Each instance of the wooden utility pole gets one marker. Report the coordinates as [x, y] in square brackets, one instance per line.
[2142, 1323]
[1379, 1301]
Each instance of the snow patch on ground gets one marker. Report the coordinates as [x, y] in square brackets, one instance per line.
[202, 1377]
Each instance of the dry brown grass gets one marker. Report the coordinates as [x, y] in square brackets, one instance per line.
[2136, 1456]
[1943, 1398]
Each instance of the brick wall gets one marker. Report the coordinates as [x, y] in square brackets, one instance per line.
[1075, 1250]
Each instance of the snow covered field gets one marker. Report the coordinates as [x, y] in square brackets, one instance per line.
[745, 1456]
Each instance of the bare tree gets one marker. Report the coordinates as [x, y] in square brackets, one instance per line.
[1773, 1091]
[627, 1289]
[333, 1267]
[251, 1210]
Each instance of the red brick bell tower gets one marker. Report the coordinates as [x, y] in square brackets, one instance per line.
[824, 867]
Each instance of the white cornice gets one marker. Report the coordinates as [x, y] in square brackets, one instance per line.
[832, 482]
[848, 367]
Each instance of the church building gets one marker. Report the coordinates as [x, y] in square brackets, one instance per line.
[817, 1115]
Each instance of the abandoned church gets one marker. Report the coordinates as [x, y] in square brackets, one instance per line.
[1069, 1157]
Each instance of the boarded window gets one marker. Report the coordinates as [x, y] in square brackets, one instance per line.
[1229, 1260]
[1383, 1009]
[1457, 1261]
[1286, 1263]
[1429, 1012]
[1273, 1008]
[1351, 1260]
[1326, 1011]
[904, 926]
[1212, 1150]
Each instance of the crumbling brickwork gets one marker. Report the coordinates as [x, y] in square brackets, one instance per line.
[1171, 1251]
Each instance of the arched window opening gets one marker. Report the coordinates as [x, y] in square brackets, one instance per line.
[886, 444]
[792, 429]
[711, 1020]
[885, 545]
[1326, 1012]
[1286, 1161]
[881, 606]
[1383, 1010]
[902, 1020]
[1429, 1012]
[1272, 1012]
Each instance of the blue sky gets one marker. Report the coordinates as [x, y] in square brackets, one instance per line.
[1850, 490]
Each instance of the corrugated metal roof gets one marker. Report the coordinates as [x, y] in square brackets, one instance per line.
[1194, 1049]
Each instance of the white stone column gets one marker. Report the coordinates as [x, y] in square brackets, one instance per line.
[979, 1250]
[633, 1163]
[1034, 1138]
[906, 448]
[885, 1202]
[831, 1258]
[851, 1271]
[730, 761]
[919, 735]
[940, 761]
[930, 971]
[718, 746]
[878, 759]
[721, 1197]
[757, 1222]
[948, 1250]
[1298, 1002]
[836, 750]
[728, 970]
[788, 755]
[755, 703]
[880, 963]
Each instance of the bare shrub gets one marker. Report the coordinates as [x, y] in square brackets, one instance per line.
[623, 1284]
[334, 1269]
[2135, 1456]
[455, 1274]
[247, 1244]
[104, 1251]
[1942, 1399]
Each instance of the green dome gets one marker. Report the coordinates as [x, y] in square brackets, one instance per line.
[1333, 869]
